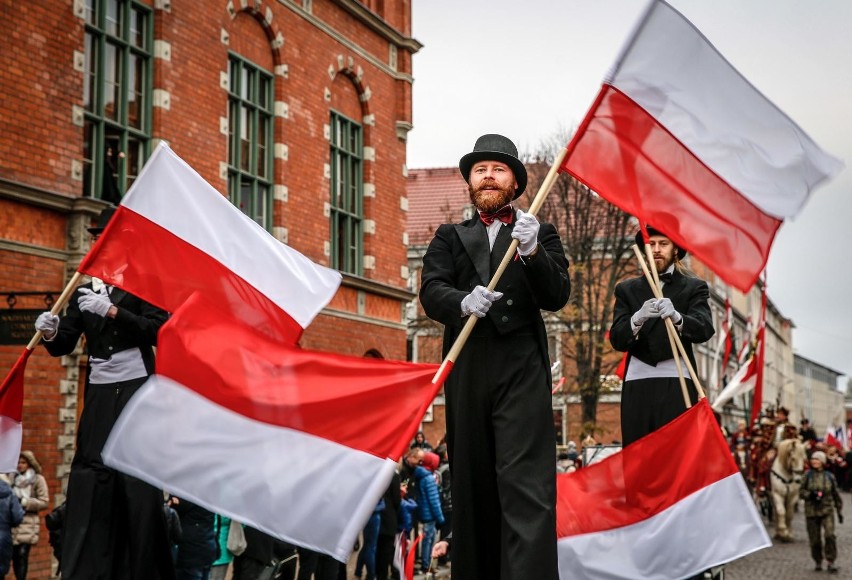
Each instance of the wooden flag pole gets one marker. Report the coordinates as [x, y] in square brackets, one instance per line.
[58, 305]
[674, 337]
[461, 339]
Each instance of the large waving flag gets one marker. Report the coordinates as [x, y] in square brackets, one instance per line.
[174, 235]
[669, 506]
[238, 418]
[678, 138]
[298, 444]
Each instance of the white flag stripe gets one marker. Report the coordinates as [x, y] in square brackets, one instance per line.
[171, 194]
[11, 433]
[708, 528]
[670, 69]
[297, 487]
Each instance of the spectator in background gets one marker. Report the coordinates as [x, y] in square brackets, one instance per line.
[198, 547]
[806, 432]
[420, 442]
[388, 522]
[261, 550]
[30, 488]
[219, 569]
[428, 503]
[444, 478]
[11, 515]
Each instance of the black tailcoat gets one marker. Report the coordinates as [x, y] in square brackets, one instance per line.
[500, 432]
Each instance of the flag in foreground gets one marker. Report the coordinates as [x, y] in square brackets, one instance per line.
[679, 139]
[174, 235]
[669, 506]
[11, 414]
[299, 444]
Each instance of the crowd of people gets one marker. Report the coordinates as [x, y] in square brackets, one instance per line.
[826, 473]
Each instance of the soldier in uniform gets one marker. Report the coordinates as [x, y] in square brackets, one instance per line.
[819, 490]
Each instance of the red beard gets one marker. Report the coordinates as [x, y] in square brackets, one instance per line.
[489, 197]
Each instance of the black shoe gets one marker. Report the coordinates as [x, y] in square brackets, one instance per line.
[818, 567]
[832, 569]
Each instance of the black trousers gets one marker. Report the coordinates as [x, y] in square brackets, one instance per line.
[501, 444]
[648, 404]
[115, 527]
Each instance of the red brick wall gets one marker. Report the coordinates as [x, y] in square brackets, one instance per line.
[41, 87]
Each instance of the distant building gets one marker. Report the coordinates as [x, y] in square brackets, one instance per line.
[819, 398]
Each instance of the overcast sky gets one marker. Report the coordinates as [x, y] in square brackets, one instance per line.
[527, 69]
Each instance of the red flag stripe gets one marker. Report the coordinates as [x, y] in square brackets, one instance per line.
[643, 481]
[237, 367]
[625, 150]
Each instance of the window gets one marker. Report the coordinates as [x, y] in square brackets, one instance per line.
[347, 196]
[250, 117]
[116, 95]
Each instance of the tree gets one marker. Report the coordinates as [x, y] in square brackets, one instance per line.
[597, 237]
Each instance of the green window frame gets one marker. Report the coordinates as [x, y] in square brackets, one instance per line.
[347, 195]
[250, 134]
[117, 95]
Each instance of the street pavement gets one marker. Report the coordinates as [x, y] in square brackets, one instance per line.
[780, 561]
[793, 561]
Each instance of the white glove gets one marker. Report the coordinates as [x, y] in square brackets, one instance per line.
[479, 301]
[667, 310]
[47, 324]
[94, 302]
[649, 310]
[526, 232]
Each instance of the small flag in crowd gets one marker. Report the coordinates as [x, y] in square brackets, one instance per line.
[679, 139]
[668, 506]
[11, 414]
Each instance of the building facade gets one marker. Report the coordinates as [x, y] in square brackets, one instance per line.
[296, 111]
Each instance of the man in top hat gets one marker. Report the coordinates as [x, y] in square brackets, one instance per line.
[114, 524]
[651, 395]
[500, 433]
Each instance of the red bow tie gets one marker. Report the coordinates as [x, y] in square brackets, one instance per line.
[505, 214]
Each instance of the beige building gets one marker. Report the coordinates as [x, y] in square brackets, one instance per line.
[818, 396]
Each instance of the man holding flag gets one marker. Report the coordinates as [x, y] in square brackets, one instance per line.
[651, 395]
[114, 526]
[499, 420]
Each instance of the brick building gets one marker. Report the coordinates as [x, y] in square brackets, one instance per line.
[296, 110]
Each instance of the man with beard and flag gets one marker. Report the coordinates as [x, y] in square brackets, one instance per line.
[499, 421]
[651, 395]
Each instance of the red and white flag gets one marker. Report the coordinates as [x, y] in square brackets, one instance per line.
[239, 419]
[11, 414]
[174, 235]
[679, 139]
[668, 506]
[744, 380]
[299, 444]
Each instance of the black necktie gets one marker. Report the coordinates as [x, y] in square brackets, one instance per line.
[666, 278]
[505, 214]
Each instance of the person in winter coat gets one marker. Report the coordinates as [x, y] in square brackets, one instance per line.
[428, 503]
[197, 548]
[11, 515]
[30, 488]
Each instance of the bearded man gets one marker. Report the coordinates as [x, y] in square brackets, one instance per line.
[651, 395]
[500, 434]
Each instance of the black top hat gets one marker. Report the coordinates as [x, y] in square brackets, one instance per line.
[103, 220]
[681, 253]
[493, 147]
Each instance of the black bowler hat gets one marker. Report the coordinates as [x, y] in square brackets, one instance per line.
[103, 220]
[681, 253]
[493, 147]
